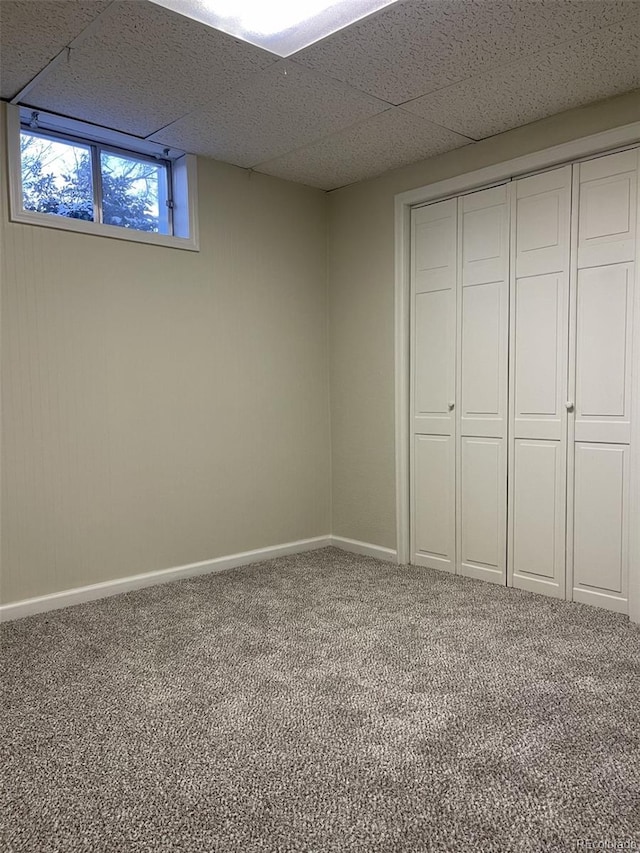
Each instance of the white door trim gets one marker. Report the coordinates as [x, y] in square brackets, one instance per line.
[566, 152]
[634, 502]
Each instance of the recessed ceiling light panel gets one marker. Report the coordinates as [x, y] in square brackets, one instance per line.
[280, 26]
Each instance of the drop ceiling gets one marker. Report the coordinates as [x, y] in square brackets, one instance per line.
[413, 80]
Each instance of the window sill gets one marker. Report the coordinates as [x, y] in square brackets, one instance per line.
[98, 229]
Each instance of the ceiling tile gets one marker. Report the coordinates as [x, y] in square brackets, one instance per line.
[33, 32]
[416, 47]
[597, 66]
[280, 109]
[145, 67]
[386, 141]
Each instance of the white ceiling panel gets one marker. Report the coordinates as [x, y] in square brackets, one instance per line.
[461, 69]
[597, 66]
[280, 109]
[393, 138]
[419, 46]
[33, 32]
[145, 67]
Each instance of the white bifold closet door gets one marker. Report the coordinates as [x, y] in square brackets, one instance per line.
[522, 355]
[482, 342]
[540, 251]
[459, 336]
[604, 218]
[433, 385]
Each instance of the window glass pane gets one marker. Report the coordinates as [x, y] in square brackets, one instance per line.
[134, 193]
[56, 176]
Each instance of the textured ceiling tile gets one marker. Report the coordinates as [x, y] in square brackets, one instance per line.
[280, 109]
[387, 141]
[145, 67]
[33, 32]
[598, 66]
[416, 47]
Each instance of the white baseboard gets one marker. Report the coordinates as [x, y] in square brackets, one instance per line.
[78, 595]
[66, 598]
[365, 548]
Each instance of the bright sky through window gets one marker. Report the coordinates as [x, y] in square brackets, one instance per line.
[280, 26]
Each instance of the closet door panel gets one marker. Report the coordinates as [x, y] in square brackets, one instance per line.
[433, 378]
[540, 230]
[483, 482]
[607, 210]
[542, 222]
[434, 246]
[540, 344]
[485, 236]
[538, 515]
[482, 375]
[603, 353]
[600, 524]
[434, 501]
[434, 360]
[483, 312]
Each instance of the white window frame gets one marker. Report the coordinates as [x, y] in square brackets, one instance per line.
[183, 181]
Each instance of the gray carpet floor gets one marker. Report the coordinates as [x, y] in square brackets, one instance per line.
[320, 702]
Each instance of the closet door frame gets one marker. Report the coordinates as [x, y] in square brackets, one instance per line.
[600, 143]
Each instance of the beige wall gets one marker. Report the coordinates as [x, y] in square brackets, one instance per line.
[162, 407]
[361, 312]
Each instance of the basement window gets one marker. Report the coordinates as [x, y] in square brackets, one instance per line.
[69, 175]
